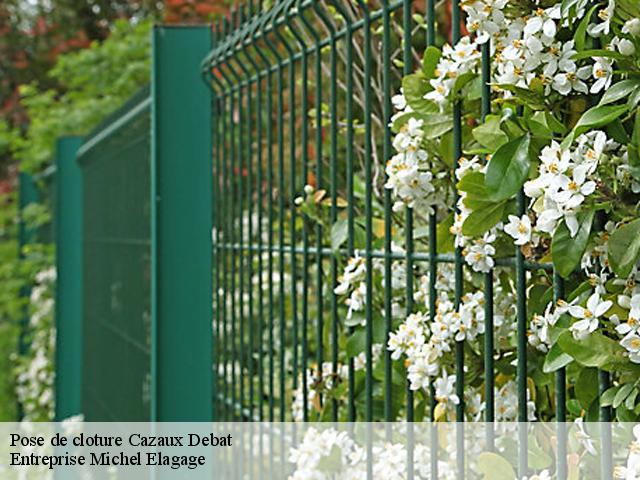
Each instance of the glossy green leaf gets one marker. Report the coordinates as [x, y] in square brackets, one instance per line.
[508, 169]
[595, 350]
[620, 90]
[598, 116]
[495, 467]
[567, 251]
[556, 359]
[483, 219]
[339, 234]
[489, 134]
[624, 248]
[415, 87]
[430, 61]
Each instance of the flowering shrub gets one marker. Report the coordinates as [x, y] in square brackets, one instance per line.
[34, 370]
[577, 167]
[553, 172]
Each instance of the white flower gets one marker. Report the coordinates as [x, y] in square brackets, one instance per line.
[480, 254]
[632, 27]
[588, 317]
[571, 79]
[542, 21]
[445, 389]
[603, 28]
[583, 437]
[603, 73]
[633, 320]
[519, 229]
[626, 47]
[632, 343]
[423, 366]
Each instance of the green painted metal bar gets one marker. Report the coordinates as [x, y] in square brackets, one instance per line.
[281, 219]
[317, 51]
[250, 233]
[408, 225]
[388, 234]
[333, 189]
[521, 348]
[561, 393]
[182, 283]
[221, 231]
[270, 220]
[69, 284]
[293, 268]
[433, 267]
[368, 205]
[229, 150]
[458, 268]
[304, 67]
[260, 190]
[489, 373]
[407, 58]
[348, 46]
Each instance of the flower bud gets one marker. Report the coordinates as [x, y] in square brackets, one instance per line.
[626, 47]
[632, 26]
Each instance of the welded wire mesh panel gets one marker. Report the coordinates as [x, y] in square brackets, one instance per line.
[361, 272]
[115, 163]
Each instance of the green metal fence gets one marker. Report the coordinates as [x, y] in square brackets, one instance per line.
[133, 234]
[115, 164]
[303, 94]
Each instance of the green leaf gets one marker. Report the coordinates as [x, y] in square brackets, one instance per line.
[495, 467]
[556, 359]
[508, 169]
[435, 124]
[598, 116]
[595, 350]
[415, 86]
[473, 184]
[339, 234]
[624, 248]
[566, 252]
[489, 134]
[481, 220]
[526, 96]
[356, 343]
[608, 396]
[619, 90]
[538, 458]
[622, 394]
[445, 239]
[581, 32]
[461, 82]
[566, 6]
[598, 53]
[630, 402]
[430, 61]
[586, 387]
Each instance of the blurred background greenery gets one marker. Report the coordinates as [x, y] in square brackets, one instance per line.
[64, 66]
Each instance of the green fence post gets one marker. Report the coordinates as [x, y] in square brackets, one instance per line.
[68, 310]
[181, 247]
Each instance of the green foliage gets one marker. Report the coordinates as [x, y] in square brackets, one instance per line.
[624, 248]
[95, 82]
[508, 169]
[566, 250]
